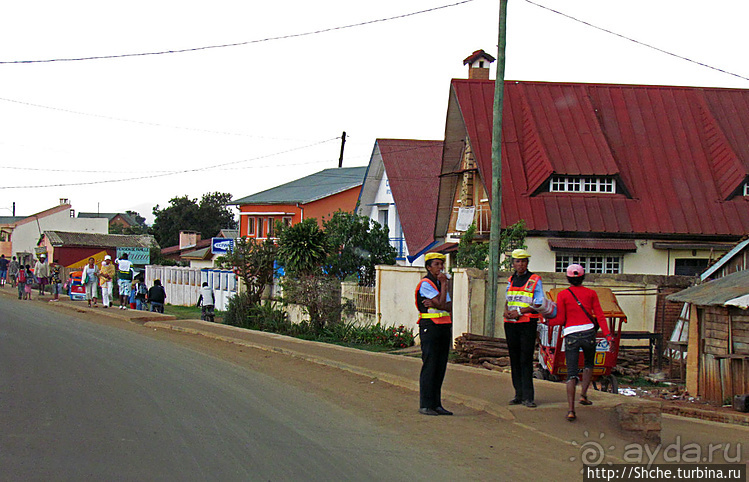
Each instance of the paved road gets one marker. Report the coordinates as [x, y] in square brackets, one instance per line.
[80, 400]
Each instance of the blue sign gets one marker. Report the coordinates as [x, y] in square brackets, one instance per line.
[222, 245]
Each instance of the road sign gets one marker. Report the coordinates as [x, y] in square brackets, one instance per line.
[222, 245]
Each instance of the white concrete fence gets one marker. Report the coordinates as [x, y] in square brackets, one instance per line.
[182, 285]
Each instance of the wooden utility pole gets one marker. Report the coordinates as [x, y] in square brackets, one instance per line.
[490, 306]
[343, 143]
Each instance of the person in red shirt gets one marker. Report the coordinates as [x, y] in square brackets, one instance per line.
[579, 312]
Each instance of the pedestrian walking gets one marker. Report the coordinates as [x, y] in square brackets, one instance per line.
[207, 302]
[524, 289]
[13, 268]
[580, 314]
[41, 271]
[435, 331]
[28, 282]
[56, 282]
[90, 279]
[106, 281]
[157, 296]
[21, 282]
[124, 280]
[3, 269]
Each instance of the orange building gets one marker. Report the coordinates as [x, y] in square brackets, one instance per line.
[317, 196]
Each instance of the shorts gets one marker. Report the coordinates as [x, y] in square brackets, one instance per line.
[573, 343]
[124, 285]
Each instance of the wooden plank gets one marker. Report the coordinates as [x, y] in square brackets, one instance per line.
[740, 348]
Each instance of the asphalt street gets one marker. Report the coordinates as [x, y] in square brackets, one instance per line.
[79, 400]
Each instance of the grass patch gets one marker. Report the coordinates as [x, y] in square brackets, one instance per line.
[189, 312]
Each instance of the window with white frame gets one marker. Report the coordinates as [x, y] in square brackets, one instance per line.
[593, 263]
[259, 227]
[250, 226]
[271, 227]
[746, 189]
[605, 185]
[287, 221]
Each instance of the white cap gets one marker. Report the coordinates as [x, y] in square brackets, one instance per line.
[107, 257]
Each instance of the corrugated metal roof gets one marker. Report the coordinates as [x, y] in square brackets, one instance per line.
[677, 152]
[592, 244]
[715, 292]
[110, 216]
[413, 168]
[63, 238]
[310, 188]
[726, 258]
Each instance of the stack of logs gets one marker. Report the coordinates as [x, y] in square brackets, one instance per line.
[489, 352]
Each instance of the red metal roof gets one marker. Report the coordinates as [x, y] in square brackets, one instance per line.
[679, 153]
[592, 244]
[413, 168]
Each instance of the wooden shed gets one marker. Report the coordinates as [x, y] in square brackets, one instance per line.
[718, 348]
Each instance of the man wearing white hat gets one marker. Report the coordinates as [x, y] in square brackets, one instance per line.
[106, 275]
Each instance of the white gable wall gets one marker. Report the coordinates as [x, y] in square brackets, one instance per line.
[26, 235]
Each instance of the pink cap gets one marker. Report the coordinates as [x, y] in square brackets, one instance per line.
[575, 271]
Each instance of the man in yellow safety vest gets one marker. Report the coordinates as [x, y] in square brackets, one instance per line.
[435, 332]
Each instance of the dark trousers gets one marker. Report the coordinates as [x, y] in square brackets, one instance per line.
[521, 341]
[435, 348]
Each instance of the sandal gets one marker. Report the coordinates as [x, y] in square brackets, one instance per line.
[584, 400]
[571, 417]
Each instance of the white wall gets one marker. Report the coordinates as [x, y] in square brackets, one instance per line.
[25, 236]
[646, 260]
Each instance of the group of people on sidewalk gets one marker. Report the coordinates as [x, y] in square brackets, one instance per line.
[24, 276]
[578, 310]
[132, 289]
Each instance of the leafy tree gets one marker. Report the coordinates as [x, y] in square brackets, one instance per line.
[207, 217]
[475, 255]
[302, 248]
[319, 296]
[252, 260]
[358, 244]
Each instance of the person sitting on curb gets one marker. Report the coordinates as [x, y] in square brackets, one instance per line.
[157, 296]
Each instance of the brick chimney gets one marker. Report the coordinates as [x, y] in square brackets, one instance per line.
[478, 65]
[188, 239]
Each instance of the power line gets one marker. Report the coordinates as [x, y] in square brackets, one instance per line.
[702, 64]
[145, 123]
[168, 173]
[238, 44]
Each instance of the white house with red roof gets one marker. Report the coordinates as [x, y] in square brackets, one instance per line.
[28, 231]
[629, 179]
[400, 192]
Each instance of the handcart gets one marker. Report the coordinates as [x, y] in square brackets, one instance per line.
[76, 288]
[551, 355]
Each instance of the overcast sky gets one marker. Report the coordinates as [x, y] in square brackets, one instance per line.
[246, 118]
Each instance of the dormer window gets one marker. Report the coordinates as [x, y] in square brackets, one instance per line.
[746, 189]
[582, 184]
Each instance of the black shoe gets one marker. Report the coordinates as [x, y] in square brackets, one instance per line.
[515, 401]
[530, 404]
[428, 411]
[443, 411]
